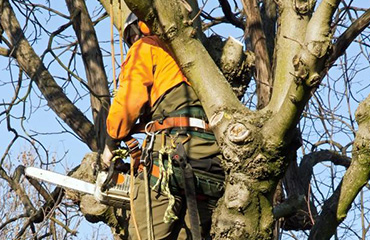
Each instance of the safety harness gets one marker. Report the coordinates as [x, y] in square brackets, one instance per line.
[207, 184]
[169, 170]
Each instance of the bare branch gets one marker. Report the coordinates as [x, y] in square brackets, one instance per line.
[230, 16]
[10, 220]
[289, 207]
[94, 66]
[310, 160]
[18, 189]
[32, 65]
[262, 62]
[348, 37]
[308, 65]
[4, 52]
[336, 207]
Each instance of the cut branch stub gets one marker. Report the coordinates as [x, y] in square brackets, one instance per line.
[318, 48]
[232, 55]
[216, 119]
[238, 196]
[304, 7]
[314, 80]
[235, 64]
[229, 155]
[300, 70]
[238, 133]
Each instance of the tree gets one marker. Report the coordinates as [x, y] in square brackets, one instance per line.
[292, 48]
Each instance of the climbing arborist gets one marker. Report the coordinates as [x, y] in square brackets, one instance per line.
[180, 153]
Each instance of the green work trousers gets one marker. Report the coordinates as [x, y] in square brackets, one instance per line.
[178, 229]
[198, 147]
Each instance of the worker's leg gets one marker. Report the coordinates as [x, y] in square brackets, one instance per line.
[182, 230]
[159, 204]
[205, 210]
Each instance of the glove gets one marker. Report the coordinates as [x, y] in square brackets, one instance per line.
[106, 158]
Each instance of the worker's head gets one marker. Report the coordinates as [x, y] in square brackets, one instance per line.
[134, 29]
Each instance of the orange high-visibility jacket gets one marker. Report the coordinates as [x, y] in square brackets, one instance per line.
[147, 73]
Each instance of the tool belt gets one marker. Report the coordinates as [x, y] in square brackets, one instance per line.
[206, 184]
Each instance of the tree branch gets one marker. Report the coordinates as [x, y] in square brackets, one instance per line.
[226, 9]
[289, 206]
[10, 220]
[308, 65]
[309, 161]
[4, 52]
[348, 36]
[31, 64]
[298, 210]
[94, 66]
[18, 189]
[336, 207]
[291, 29]
[262, 62]
[269, 17]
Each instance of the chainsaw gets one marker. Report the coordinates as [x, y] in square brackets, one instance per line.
[111, 188]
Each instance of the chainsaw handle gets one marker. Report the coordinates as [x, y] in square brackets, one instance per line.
[107, 181]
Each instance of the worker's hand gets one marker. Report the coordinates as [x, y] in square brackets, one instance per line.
[106, 157]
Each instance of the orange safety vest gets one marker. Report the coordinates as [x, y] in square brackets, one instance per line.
[147, 73]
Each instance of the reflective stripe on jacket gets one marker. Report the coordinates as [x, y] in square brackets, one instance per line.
[147, 73]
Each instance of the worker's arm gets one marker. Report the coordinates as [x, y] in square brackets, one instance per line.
[135, 78]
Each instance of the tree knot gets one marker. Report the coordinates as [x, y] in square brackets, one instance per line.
[238, 133]
[304, 7]
[300, 70]
[318, 48]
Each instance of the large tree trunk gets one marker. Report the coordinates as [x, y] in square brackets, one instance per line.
[253, 144]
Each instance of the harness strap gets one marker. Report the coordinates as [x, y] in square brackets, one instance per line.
[174, 122]
[189, 187]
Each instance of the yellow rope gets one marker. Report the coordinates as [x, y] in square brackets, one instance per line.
[121, 30]
[149, 215]
[112, 46]
[163, 183]
[132, 207]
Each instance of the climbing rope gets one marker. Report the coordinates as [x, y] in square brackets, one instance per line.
[123, 152]
[121, 30]
[112, 45]
[164, 182]
[132, 207]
